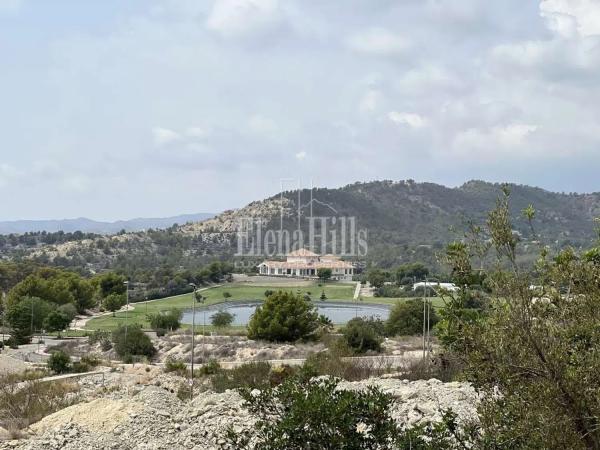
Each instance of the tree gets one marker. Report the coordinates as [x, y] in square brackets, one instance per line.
[59, 362]
[165, 320]
[533, 354]
[111, 283]
[56, 321]
[323, 296]
[54, 286]
[376, 277]
[27, 316]
[324, 274]
[222, 319]
[114, 302]
[363, 335]
[132, 341]
[407, 273]
[406, 318]
[283, 317]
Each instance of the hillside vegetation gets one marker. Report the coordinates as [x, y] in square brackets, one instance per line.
[406, 221]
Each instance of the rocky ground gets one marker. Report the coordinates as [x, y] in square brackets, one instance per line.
[138, 409]
[178, 345]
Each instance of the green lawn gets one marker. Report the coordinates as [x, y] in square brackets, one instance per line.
[239, 292]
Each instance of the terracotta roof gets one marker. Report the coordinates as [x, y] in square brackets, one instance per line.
[302, 252]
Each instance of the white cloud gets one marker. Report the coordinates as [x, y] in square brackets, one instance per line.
[300, 156]
[378, 41]
[232, 18]
[571, 17]
[494, 142]
[411, 119]
[164, 136]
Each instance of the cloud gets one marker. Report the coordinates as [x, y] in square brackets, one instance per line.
[494, 142]
[235, 18]
[569, 18]
[411, 119]
[164, 136]
[378, 41]
[370, 101]
[300, 156]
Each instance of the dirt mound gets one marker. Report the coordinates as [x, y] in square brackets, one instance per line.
[100, 415]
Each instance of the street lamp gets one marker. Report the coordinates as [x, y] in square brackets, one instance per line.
[126, 283]
[194, 287]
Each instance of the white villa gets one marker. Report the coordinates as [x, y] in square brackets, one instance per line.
[450, 287]
[304, 263]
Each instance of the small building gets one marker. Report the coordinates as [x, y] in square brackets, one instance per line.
[304, 264]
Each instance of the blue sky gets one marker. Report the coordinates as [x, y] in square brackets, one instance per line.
[112, 109]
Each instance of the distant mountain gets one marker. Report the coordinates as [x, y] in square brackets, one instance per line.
[405, 221]
[93, 226]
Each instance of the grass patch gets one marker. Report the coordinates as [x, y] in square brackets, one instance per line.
[238, 293]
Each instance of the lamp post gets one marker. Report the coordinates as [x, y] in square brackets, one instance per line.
[193, 340]
[126, 283]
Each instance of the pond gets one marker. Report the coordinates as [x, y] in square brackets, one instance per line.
[339, 313]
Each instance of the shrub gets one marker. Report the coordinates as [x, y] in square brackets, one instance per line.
[251, 375]
[314, 414]
[132, 342]
[101, 336]
[169, 320]
[177, 366]
[406, 318]
[59, 362]
[323, 296]
[283, 317]
[269, 292]
[222, 319]
[226, 294]
[25, 402]
[363, 335]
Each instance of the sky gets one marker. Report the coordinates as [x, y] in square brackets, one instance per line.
[116, 109]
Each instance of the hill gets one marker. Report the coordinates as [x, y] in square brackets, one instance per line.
[405, 221]
[93, 226]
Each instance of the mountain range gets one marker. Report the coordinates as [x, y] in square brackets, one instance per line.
[405, 221]
[93, 226]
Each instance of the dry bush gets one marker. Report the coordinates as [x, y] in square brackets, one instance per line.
[25, 402]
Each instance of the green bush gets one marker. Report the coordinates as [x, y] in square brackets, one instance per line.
[314, 414]
[177, 366]
[363, 335]
[59, 362]
[132, 342]
[103, 337]
[269, 292]
[406, 318]
[222, 319]
[165, 320]
[284, 317]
